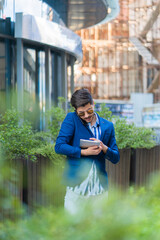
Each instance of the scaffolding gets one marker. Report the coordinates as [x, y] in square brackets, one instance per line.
[123, 56]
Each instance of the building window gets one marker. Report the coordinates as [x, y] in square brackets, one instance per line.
[34, 85]
[42, 88]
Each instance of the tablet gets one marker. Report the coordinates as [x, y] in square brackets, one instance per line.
[88, 143]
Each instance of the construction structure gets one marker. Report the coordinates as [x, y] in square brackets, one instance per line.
[123, 56]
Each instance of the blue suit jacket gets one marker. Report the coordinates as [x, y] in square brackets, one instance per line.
[68, 143]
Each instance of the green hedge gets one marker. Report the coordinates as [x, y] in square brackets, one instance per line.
[19, 139]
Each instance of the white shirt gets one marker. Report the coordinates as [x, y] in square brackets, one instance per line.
[96, 128]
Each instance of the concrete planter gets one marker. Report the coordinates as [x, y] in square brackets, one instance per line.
[38, 193]
[119, 174]
[143, 163]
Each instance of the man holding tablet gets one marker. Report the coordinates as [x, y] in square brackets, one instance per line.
[85, 174]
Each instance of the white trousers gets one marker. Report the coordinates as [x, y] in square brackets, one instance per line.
[74, 202]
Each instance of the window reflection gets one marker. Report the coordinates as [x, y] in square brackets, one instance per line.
[29, 84]
[34, 86]
[30, 71]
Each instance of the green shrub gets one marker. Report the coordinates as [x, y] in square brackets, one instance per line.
[124, 133]
[143, 138]
[17, 137]
[49, 152]
[19, 140]
[130, 136]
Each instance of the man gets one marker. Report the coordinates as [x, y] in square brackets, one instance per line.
[86, 173]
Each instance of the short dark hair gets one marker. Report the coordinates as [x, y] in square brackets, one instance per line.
[80, 98]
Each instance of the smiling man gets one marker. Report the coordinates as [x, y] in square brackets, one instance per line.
[85, 174]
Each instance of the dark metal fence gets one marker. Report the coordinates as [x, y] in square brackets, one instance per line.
[135, 166]
[144, 162]
[44, 186]
[119, 174]
[39, 183]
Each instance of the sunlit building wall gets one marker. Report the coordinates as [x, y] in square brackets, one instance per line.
[113, 67]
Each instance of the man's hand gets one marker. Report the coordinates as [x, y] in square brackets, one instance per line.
[102, 145]
[94, 150]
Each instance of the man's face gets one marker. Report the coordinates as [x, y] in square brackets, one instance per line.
[86, 113]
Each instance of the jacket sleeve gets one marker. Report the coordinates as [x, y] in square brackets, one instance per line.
[64, 138]
[112, 153]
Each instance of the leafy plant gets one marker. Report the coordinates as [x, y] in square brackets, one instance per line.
[49, 152]
[124, 133]
[143, 137]
[16, 136]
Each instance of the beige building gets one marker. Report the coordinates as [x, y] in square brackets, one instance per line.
[123, 56]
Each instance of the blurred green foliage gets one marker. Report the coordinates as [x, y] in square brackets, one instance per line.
[133, 215]
[17, 137]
